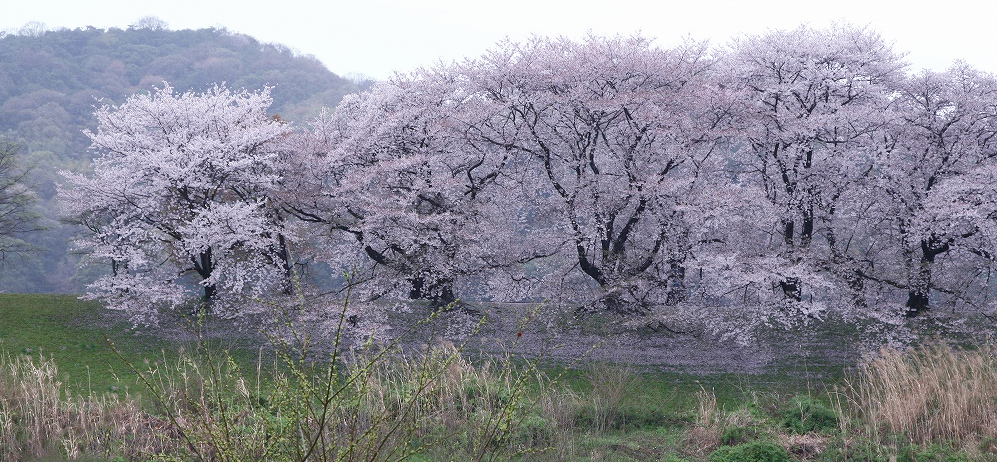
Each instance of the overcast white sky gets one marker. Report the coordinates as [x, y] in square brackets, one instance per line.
[379, 37]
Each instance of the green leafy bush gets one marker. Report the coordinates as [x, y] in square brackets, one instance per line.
[933, 453]
[804, 414]
[855, 451]
[739, 435]
[755, 451]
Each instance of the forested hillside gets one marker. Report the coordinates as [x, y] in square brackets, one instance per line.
[51, 82]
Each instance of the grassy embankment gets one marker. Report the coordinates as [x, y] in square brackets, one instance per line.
[75, 334]
[66, 329]
[445, 407]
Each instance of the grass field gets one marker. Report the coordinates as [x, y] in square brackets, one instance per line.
[64, 328]
[511, 409]
[77, 336]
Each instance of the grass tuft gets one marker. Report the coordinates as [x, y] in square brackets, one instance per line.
[930, 395]
[38, 416]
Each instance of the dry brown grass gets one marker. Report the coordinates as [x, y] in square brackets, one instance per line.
[610, 384]
[805, 447]
[703, 437]
[712, 421]
[561, 405]
[932, 394]
[471, 407]
[37, 416]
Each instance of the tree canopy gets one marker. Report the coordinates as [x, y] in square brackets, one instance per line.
[792, 174]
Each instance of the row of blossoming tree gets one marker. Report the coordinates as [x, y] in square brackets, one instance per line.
[795, 172]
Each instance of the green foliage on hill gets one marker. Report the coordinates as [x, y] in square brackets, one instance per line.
[51, 81]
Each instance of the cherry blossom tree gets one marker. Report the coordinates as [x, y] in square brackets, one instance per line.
[616, 132]
[181, 195]
[797, 169]
[393, 177]
[814, 102]
[935, 175]
[545, 167]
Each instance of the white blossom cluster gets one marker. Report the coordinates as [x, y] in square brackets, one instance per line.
[183, 187]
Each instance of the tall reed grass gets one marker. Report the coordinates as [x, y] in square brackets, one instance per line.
[934, 394]
[373, 402]
[207, 408]
[38, 416]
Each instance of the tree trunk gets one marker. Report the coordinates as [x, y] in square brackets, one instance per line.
[204, 265]
[919, 283]
[791, 286]
[849, 270]
[856, 286]
[210, 292]
[617, 303]
[807, 230]
[919, 288]
[791, 289]
[284, 254]
[676, 283]
[439, 293]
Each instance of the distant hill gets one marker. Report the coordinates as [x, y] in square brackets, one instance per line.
[51, 81]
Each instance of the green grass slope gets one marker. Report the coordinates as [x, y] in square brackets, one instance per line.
[74, 334]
